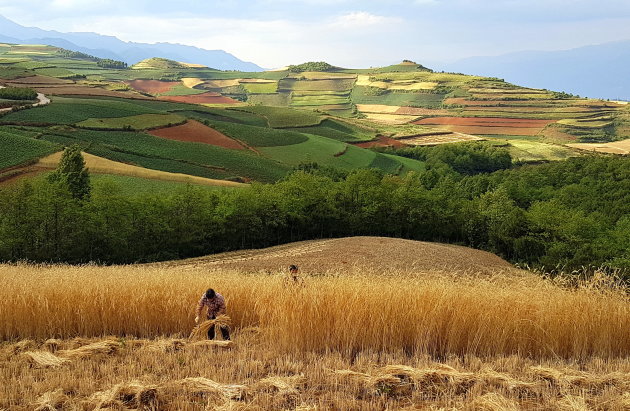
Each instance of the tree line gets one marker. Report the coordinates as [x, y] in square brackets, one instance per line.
[571, 214]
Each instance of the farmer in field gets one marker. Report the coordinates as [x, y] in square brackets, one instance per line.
[294, 276]
[216, 306]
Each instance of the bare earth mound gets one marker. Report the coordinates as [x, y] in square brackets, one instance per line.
[205, 98]
[153, 86]
[371, 253]
[194, 131]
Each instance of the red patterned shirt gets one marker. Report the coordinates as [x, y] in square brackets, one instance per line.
[216, 305]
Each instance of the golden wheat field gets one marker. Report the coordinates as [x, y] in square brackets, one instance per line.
[85, 338]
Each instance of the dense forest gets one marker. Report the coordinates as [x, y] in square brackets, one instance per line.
[567, 214]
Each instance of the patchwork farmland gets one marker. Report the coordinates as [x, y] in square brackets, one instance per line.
[185, 118]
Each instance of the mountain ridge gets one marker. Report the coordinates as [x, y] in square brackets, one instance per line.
[111, 47]
[603, 65]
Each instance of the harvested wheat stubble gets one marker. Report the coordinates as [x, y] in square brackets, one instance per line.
[133, 394]
[44, 359]
[287, 386]
[196, 132]
[51, 401]
[372, 253]
[208, 387]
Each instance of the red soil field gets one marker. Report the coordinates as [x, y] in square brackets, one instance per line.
[205, 98]
[194, 131]
[382, 141]
[485, 121]
[153, 86]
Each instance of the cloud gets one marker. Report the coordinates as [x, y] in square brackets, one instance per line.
[360, 19]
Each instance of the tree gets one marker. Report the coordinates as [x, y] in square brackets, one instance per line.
[72, 173]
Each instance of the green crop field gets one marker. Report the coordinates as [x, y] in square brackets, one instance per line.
[285, 117]
[322, 151]
[408, 164]
[389, 164]
[55, 72]
[338, 130]
[361, 95]
[226, 115]
[73, 110]
[139, 122]
[261, 88]
[259, 136]
[315, 85]
[17, 149]
[273, 100]
[174, 156]
[181, 90]
[530, 151]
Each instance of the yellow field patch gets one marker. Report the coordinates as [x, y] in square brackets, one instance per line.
[392, 119]
[191, 82]
[100, 165]
[222, 83]
[192, 65]
[403, 84]
[615, 147]
[436, 139]
[377, 108]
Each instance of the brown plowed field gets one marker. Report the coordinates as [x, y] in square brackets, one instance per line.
[194, 131]
[366, 254]
[484, 121]
[153, 86]
[205, 98]
[382, 141]
[37, 79]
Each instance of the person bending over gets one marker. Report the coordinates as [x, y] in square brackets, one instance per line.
[216, 306]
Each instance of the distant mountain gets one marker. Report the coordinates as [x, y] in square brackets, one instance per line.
[601, 71]
[113, 48]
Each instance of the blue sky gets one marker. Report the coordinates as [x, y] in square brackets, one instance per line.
[274, 33]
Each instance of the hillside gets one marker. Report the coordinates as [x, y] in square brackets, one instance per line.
[180, 117]
[353, 254]
[604, 65]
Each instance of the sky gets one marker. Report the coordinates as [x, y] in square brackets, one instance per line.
[348, 33]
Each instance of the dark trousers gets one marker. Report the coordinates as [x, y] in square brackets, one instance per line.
[225, 331]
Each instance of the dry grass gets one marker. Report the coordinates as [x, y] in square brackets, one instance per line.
[253, 376]
[615, 147]
[100, 165]
[352, 339]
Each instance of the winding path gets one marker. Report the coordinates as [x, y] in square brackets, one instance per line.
[41, 98]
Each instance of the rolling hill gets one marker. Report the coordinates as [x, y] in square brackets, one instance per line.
[184, 118]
